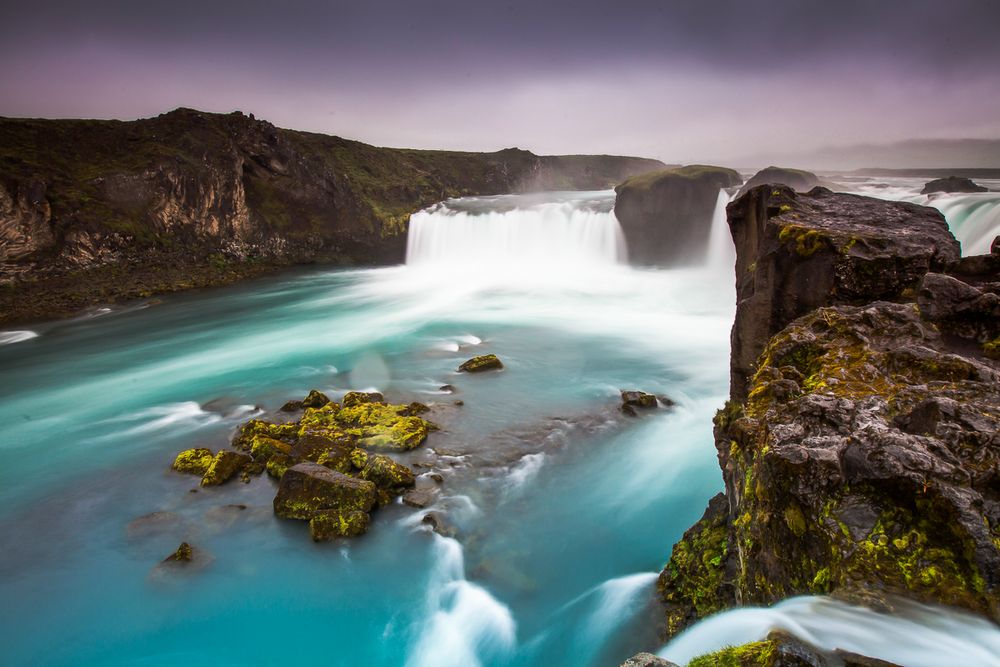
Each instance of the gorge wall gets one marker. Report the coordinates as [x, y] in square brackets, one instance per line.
[860, 447]
[96, 211]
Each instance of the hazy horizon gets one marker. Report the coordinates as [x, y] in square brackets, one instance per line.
[718, 82]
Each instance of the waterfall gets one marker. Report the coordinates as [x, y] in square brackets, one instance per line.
[974, 219]
[721, 253]
[512, 232]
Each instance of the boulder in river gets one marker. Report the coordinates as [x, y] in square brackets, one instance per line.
[952, 184]
[309, 488]
[328, 524]
[632, 399]
[315, 399]
[647, 660]
[193, 461]
[183, 554]
[484, 362]
[666, 215]
[353, 398]
[291, 406]
[224, 467]
[386, 473]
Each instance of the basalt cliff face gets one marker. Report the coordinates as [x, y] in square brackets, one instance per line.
[95, 211]
[861, 445]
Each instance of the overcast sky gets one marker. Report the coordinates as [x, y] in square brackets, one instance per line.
[680, 81]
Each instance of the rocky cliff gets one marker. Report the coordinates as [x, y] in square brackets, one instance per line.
[860, 447]
[666, 215]
[95, 211]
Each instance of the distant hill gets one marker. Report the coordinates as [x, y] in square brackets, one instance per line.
[942, 154]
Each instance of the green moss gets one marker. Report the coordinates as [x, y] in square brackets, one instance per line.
[326, 525]
[807, 241]
[795, 520]
[719, 176]
[193, 461]
[284, 432]
[381, 426]
[755, 654]
[263, 447]
[224, 467]
[992, 348]
[278, 464]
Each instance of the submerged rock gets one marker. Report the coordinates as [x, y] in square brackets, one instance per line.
[485, 362]
[224, 467]
[666, 215]
[292, 406]
[193, 461]
[153, 524]
[183, 554]
[309, 488]
[952, 184]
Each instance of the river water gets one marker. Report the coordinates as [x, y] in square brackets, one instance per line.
[563, 509]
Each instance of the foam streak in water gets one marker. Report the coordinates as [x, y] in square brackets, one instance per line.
[916, 636]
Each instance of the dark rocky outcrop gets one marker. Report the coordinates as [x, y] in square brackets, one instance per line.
[632, 399]
[796, 179]
[952, 184]
[666, 215]
[860, 447]
[780, 649]
[485, 362]
[307, 489]
[97, 211]
[796, 252]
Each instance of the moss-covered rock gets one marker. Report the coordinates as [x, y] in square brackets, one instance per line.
[183, 554]
[485, 362]
[308, 488]
[353, 398]
[243, 439]
[224, 467]
[633, 399]
[315, 399]
[796, 179]
[193, 461]
[326, 525]
[278, 464]
[262, 448]
[381, 426]
[386, 473]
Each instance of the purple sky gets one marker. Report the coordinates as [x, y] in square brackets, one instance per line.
[681, 81]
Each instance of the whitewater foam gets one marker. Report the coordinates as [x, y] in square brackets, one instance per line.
[11, 337]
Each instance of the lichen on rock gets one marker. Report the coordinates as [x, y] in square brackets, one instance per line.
[484, 362]
[193, 461]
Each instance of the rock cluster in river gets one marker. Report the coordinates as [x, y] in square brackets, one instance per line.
[952, 184]
[860, 445]
[328, 464]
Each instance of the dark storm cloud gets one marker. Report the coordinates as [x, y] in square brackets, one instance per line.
[692, 78]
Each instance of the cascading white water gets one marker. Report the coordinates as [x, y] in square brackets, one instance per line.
[721, 253]
[974, 219]
[915, 635]
[513, 232]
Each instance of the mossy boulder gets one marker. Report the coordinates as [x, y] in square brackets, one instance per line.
[666, 215]
[278, 464]
[315, 399]
[353, 398]
[183, 554]
[485, 362]
[328, 524]
[386, 473]
[224, 467]
[262, 448]
[634, 399]
[193, 461]
[382, 426]
[243, 439]
[307, 489]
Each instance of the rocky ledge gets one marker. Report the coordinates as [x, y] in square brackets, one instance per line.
[666, 215]
[99, 211]
[860, 447]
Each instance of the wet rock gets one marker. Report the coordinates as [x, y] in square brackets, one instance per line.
[798, 252]
[153, 523]
[352, 398]
[292, 406]
[328, 524]
[666, 215]
[420, 499]
[855, 660]
[647, 660]
[459, 403]
[386, 473]
[439, 524]
[183, 554]
[308, 488]
[952, 184]
[960, 308]
[633, 399]
[243, 439]
[381, 426]
[413, 409]
[224, 467]
[278, 464]
[262, 448]
[315, 399]
[451, 388]
[193, 461]
[485, 362]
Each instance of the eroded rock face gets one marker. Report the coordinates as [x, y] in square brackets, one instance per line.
[797, 252]
[952, 184]
[666, 215]
[861, 445]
